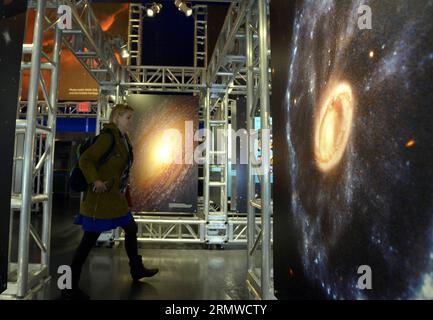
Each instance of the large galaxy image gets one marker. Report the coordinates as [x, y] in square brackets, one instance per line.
[164, 174]
[359, 138]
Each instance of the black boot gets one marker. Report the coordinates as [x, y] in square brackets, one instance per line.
[138, 271]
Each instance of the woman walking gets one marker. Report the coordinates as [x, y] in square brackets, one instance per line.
[105, 206]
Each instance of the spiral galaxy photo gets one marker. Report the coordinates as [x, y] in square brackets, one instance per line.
[162, 178]
[353, 112]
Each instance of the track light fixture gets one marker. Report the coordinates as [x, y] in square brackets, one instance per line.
[124, 52]
[182, 6]
[153, 9]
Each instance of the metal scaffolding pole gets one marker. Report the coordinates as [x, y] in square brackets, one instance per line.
[217, 217]
[49, 164]
[207, 154]
[265, 185]
[200, 36]
[135, 32]
[27, 179]
[250, 99]
[225, 190]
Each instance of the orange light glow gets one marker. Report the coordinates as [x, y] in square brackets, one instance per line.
[291, 273]
[332, 127]
[410, 143]
[118, 58]
[109, 21]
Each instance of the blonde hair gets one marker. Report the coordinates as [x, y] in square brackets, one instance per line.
[119, 110]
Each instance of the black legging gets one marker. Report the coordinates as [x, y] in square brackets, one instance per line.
[88, 241]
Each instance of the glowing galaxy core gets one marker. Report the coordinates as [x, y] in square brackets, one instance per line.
[332, 126]
[167, 149]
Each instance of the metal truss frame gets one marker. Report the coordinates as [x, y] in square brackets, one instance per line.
[260, 274]
[216, 167]
[163, 79]
[225, 72]
[200, 36]
[234, 69]
[93, 49]
[237, 230]
[90, 45]
[238, 66]
[136, 78]
[36, 156]
[86, 40]
[68, 109]
[135, 31]
[170, 229]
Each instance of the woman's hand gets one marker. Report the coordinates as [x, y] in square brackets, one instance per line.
[99, 186]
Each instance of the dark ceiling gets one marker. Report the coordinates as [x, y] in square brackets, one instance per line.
[168, 38]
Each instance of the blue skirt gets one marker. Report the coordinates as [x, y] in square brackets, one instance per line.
[100, 225]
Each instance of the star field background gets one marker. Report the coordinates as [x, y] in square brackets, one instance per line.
[375, 207]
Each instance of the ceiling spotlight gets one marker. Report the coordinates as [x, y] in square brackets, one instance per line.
[153, 9]
[182, 6]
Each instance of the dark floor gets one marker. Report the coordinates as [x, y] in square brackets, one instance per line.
[186, 272]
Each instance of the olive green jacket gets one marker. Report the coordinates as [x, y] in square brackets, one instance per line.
[112, 203]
